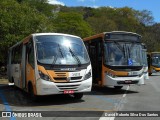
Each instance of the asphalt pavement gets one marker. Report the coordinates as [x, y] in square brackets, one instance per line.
[96, 105]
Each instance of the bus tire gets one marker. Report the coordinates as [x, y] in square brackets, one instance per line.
[78, 96]
[11, 80]
[32, 96]
[150, 74]
[118, 87]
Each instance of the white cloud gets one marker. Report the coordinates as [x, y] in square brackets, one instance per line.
[112, 7]
[95, 6]
[55, 2]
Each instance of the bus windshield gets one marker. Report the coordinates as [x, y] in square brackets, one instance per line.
[123, 53]
[61, 50]
[156, 59]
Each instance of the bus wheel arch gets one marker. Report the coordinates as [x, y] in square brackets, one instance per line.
[32, 96]
[11, 80]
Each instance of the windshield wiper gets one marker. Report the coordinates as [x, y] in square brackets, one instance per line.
[60, 50]
[55, 58]
[129, 49]
[120, 47]
[75, 56]
[54, 61]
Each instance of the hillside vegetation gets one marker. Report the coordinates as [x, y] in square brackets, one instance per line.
[19, 18]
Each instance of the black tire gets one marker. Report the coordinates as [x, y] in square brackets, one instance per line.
[11, 80]
[150, 74]
[32, 96]
[118, 87]
[78, 96]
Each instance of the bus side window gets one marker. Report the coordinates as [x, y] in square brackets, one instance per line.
[17, 55]
[12, 56]
[30, 52]
[87, 46]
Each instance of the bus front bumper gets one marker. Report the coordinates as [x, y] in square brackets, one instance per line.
[50, 88]
[121, 81]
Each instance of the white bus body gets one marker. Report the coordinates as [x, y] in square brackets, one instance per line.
[50, 63]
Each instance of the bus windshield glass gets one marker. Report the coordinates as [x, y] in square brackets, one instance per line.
[156, 59]
[60, 50]
[123, 53]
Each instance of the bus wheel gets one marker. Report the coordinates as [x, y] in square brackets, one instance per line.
[150, 74]
[11, 80]
[31, 93]
[118, 87]
[78, 96]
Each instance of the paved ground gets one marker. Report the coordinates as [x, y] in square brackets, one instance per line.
[146, 98]
[93, 106]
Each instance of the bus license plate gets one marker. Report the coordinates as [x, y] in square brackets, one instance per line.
[68, 91]
[128, 81]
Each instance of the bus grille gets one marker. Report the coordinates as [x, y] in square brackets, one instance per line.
[61, 77]
[68, 87]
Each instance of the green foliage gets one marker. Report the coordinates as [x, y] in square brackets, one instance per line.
[151, 37]
[145, 17]
[102, 24]
[19, 18]
[109, 19]
[41, 6]
[72, 23]
[17, 21]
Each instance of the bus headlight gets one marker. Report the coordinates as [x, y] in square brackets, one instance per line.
[111, 75]
[44, 76]
[88, 75]
[140, 74]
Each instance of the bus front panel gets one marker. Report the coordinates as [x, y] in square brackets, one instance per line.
[63, 65]
[58, 82]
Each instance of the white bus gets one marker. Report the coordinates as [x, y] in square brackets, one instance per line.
[50, 63]
[116, 58]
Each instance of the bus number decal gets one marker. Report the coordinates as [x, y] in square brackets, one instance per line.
[75, 74]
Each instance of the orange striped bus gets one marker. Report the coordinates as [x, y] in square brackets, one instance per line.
[116, 58]
[153, 62]
[50, 63]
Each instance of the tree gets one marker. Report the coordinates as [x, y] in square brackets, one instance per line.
[72, 23]
[41, 6]
[144, 17]
[151, 37]
[102, 24]
[18, 21]
[109, 19]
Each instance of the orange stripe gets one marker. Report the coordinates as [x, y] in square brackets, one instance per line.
[116, 73]
[52, 74]
[94, 37]
[30, 76]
